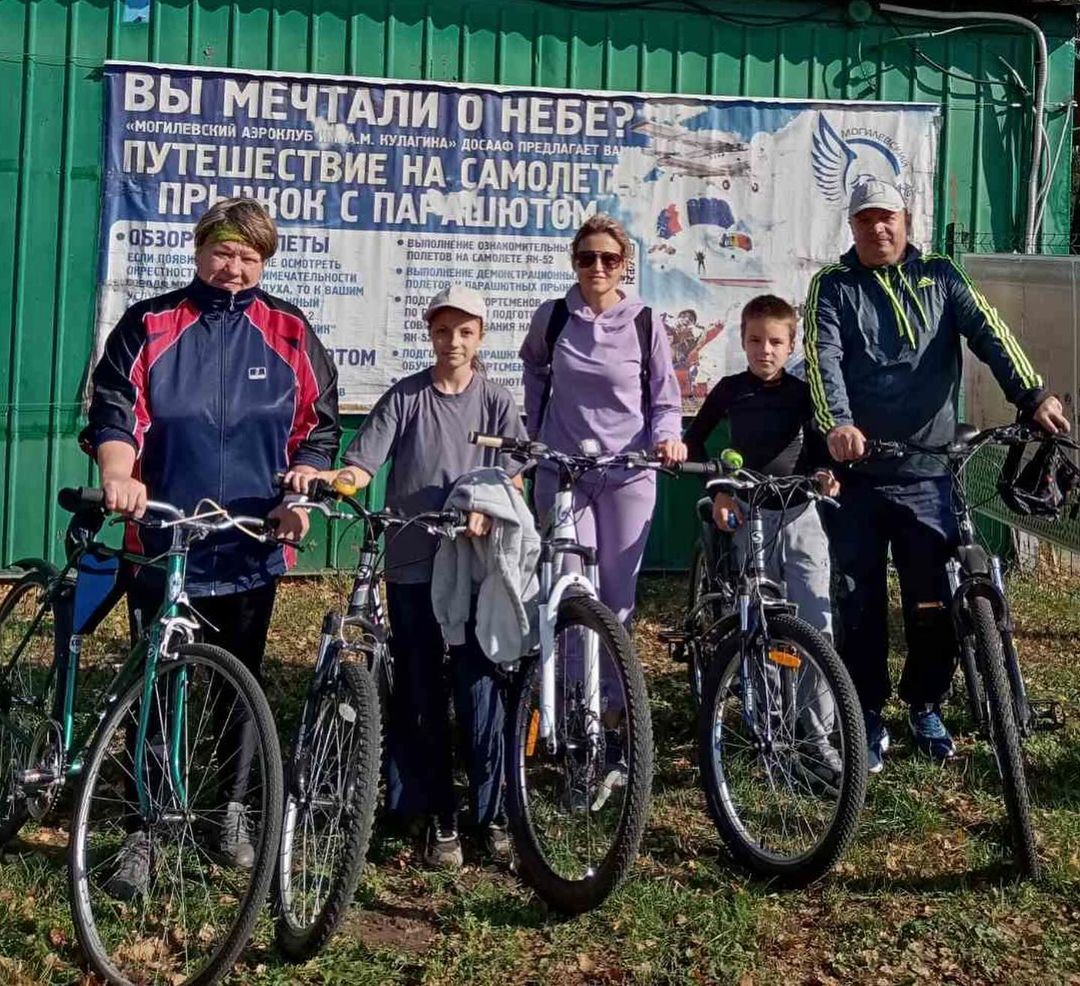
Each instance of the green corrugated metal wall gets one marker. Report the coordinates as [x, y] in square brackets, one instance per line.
[51, 52]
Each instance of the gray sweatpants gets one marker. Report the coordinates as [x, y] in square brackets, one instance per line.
[796, 555]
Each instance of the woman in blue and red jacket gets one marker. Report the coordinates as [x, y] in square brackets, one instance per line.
[207, 392]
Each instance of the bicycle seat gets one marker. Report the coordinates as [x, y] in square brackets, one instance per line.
[964, 433]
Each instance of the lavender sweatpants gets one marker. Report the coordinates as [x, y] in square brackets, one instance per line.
[614, 517]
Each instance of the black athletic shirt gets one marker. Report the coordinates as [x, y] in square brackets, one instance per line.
[770, 424]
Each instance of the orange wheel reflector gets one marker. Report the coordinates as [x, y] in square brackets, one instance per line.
[785, 659]
[533, 734]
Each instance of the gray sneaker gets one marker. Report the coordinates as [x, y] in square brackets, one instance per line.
[443, 849]
[234, 837]
[131, 878]
[496, 843]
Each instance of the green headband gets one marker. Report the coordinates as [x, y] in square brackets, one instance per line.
[224, 233]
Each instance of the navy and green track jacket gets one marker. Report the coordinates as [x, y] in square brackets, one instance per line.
[215, 392]
[883, 352]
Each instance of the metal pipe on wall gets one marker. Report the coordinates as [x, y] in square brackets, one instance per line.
[1041, 61]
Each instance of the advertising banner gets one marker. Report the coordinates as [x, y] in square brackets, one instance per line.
[384, 192]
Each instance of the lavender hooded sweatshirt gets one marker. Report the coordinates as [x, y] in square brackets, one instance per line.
[596, 387]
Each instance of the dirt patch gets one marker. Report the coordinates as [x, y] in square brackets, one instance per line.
[407, 929]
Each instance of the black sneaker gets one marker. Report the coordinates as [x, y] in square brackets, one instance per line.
[131, 878]
[443, 848]
[234, 837]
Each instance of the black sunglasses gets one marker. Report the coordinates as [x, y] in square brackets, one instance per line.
[587, 258]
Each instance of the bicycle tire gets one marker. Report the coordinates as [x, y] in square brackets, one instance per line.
[817, 860]
[1004, 734]
[299, 940]
[18, 683]
[575, 896]
[219, 959]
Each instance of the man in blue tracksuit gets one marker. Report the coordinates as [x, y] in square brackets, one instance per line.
[883, 334]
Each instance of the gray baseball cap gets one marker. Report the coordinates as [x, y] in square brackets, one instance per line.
[458, 296]
[875, 194]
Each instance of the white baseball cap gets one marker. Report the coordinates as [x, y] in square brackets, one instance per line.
[875, 194]
[458, 296]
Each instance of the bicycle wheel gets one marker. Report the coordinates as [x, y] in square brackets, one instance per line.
[183, 913]
[783, 753]
[329, 810]
[577, 801]
[27, 650]
[1004, 735]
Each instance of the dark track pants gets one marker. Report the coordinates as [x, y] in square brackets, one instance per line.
[420, 768]
[915, 519]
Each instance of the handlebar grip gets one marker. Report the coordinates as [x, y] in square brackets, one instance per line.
[699, 468]
[76, 498]
[488, 441]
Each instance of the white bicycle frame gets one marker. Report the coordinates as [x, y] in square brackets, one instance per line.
[555, 583]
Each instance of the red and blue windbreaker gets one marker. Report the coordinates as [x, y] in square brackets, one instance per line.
[216, 392]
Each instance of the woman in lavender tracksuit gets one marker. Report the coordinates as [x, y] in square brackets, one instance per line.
[596, 392]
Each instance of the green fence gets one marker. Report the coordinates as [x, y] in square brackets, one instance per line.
[52, 51]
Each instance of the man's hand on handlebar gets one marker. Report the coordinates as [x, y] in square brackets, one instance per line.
[846, 443]
[1050, 416]
[671, 451]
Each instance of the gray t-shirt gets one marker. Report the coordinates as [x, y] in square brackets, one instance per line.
[426, 433]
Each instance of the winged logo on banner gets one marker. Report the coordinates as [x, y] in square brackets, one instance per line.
[839, 165]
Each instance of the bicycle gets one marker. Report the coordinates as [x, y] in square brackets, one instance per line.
[333, 768]
[781, 738]
[994, 684]
[579, 730]
[152, 768]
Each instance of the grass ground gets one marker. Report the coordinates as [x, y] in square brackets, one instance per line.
[926, 893]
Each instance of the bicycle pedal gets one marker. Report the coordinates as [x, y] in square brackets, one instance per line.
[1046, 717]
[676, 642]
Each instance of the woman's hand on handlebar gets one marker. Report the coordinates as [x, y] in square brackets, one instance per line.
[125, 495]
[290, 523]
[671, 451]
[726, 509]
[477, 525]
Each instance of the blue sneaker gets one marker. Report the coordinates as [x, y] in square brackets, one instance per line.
[877, 742]
[929, 732]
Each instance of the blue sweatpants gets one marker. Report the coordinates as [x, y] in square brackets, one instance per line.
[915, 520]
[420, 779]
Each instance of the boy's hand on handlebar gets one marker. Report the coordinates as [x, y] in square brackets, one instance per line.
[671, 451]
[125, 495]
[1050, 416]
[846, 443]
[724, 508]
[291, 524]
[827, 483]
[477, 525]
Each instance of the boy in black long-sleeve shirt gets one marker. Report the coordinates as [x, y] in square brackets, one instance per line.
[771, 413]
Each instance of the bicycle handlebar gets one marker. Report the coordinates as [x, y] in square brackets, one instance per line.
[76, 498]
[524, 448]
